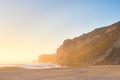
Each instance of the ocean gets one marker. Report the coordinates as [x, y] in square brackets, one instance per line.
[31, 66]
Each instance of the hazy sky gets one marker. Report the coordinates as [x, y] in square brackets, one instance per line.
[29, 28]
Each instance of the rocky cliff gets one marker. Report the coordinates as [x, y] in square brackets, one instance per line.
[99, 47]
[47, 58]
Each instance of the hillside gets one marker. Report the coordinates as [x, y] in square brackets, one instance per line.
[47, 58]
[99, 47]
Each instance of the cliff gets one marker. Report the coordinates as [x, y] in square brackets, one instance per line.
[47, 58]
[99, 47]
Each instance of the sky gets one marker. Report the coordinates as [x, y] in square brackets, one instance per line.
[29, 28]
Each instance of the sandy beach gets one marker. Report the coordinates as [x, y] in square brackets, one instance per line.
[88, 73]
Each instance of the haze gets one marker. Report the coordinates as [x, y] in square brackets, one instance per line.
[29, 28]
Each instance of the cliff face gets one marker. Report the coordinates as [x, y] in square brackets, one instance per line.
[99, 47]
[47, 58]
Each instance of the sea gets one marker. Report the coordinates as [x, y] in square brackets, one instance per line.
[31, 66]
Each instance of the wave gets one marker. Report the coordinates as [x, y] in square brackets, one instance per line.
[31, 66]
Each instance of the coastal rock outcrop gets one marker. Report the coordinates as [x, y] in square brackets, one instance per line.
[47, 58]
[98, 47]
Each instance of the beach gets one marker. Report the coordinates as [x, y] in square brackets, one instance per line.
[87, 73]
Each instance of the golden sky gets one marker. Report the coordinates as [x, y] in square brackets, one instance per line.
[29, 28]
[14, 49]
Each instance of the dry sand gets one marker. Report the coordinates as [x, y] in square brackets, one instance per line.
[88, 73]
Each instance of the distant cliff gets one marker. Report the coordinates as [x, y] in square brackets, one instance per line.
[47, 58]
[99, 47]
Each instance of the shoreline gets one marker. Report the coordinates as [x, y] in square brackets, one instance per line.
[90, 73]
[63, 67]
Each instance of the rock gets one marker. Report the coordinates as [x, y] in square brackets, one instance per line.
[98, 47]
[47, 58]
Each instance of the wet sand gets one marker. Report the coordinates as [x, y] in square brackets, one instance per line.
[88, 73]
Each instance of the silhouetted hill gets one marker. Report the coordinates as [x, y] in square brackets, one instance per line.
[47, 58]
[99, 47]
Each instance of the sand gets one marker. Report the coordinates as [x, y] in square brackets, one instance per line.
[88, 73]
